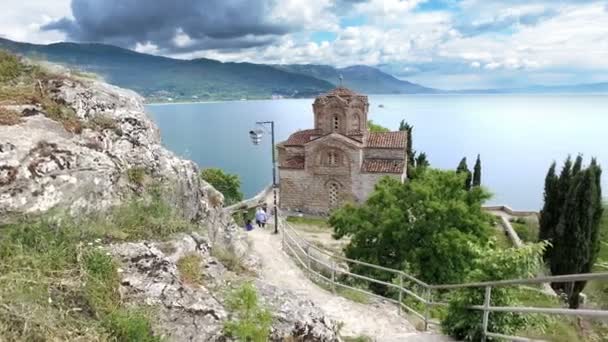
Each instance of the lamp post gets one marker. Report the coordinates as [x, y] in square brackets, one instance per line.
[256, 138]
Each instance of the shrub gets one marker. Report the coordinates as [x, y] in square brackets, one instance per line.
[189, 267]
[10, 67]
[136, 175]
[463, 323]
[127, 325]
[250, 321]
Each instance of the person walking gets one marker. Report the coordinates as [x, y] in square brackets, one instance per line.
[260, 217]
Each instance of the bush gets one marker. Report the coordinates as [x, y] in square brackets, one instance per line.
[136, 175]
[10, 67]
[250, 321]
[465, 324]
[189, 267]
[127, 325]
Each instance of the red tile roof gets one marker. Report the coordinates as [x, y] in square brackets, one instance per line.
[293, 163]
[387, 140]
[383, 166]
[301, 137]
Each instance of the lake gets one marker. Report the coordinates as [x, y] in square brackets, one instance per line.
[517, 136]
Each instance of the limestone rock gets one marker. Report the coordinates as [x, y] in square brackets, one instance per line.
[43, 166]
[187, 312]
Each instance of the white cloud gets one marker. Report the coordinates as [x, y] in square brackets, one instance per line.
[182, 40]
[146, 47]
[21, 20]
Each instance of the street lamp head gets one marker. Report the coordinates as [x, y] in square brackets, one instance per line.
[256, 136]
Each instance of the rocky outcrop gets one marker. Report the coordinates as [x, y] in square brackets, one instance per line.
[188, 312]
[44, 166]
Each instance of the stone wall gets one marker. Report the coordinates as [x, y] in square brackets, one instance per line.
[384, 153]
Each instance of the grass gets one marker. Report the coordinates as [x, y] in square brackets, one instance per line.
[56, 285]
[501, 238]
[189, 267]
[526, 229]
[24, 84]
[9, 117]
[311, 221]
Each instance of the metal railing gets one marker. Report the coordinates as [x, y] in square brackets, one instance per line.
[310, 258]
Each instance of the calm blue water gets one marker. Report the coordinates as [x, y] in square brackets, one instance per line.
[518, 136]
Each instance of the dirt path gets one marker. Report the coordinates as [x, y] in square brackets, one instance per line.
[378, 321]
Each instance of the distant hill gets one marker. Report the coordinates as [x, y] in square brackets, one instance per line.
[167, 79]
[364, 79]
[161, 78]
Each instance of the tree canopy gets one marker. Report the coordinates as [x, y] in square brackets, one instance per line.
[228, 184]
[372, 127]
[426, 226]
[463, 168]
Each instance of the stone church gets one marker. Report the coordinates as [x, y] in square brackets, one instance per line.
[338, 160]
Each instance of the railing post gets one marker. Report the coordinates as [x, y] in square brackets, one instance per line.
[400, 292]
[427, 307]
[333, 276]
[486, 312]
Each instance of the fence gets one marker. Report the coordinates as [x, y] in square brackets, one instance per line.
[324, 265]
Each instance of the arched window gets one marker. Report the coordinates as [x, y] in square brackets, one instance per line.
[336, 123]
[332, 158]
[356, 123]
[333, 194]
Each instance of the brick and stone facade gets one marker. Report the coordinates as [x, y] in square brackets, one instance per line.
[339, 160]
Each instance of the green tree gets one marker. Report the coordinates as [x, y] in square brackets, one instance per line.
[422, 161]
[228, 184]
[464, 169]
[549, 215]
[426, 226]
[491, 264]
[411, 154]
[372, 127]
[477, 172]
[576, 236]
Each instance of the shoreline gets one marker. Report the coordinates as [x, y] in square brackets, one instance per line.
[420, 94]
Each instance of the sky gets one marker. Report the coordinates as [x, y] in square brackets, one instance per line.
[447, 44]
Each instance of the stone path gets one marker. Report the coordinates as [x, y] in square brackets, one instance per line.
[378, 321]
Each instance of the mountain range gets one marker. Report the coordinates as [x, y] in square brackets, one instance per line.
[162, 79]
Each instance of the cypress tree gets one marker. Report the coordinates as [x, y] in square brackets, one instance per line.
[578, 165]
[549, 215]
[576, 236]
[463, 168]
[411, 155]
[477, 172]
[564, 181]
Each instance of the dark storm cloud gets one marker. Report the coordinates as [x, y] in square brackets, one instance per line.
[211, 24]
